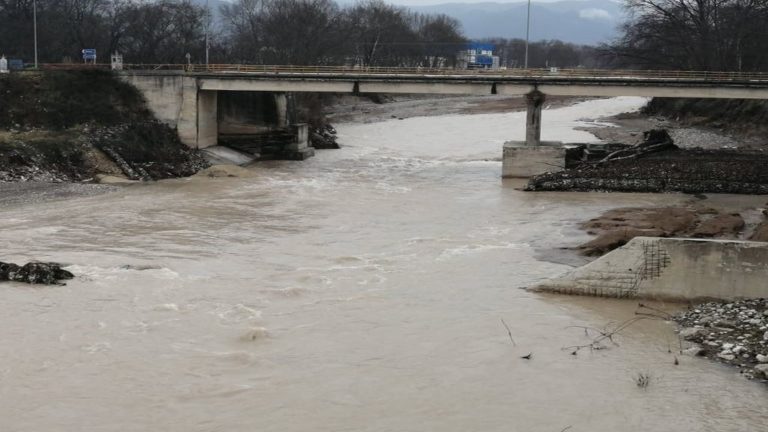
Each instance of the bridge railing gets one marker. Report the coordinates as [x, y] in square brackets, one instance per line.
[567, 73]
[510, 73]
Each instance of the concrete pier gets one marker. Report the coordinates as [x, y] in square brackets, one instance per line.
[520, 160]
[535, 102]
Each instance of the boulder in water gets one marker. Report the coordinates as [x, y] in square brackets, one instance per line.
[34, 273]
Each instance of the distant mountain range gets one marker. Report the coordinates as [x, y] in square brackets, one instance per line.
[588, 22]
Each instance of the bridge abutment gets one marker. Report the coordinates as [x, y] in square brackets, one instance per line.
[202, 116]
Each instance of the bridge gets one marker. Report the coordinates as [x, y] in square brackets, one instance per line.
[186, 96]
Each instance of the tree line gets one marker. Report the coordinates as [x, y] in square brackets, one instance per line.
[162, 31]
[727, 35]
[546, 54]
[297, 32]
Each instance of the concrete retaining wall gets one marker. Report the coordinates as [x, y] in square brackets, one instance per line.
[164, 94]
[672, 269]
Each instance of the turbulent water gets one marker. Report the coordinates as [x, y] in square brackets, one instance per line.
[362, 290]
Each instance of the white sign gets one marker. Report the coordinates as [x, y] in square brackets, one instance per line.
[3, 65]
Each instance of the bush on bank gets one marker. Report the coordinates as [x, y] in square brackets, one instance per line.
[738, 115]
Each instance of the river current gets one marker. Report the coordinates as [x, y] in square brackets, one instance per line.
[361, 290]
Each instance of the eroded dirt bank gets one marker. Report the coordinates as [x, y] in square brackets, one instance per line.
[59, 126]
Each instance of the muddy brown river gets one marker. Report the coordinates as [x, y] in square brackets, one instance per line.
[361, 290]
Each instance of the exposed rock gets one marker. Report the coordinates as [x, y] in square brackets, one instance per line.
[618, 226]
[323, 137]
[692, 332]
[762, 369]
[695, 351]
[740, 345]
[671, 220]
[760, 233]
[719, 225]
[611, 240]
[34, 273]
[726, 355]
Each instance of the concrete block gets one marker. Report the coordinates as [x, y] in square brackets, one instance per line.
[671, 269]
[521, 160]
[300, 133]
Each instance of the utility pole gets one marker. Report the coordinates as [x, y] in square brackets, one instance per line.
[34, 24]
[527, 33]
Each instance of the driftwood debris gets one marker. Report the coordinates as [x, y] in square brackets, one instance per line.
[654, 140]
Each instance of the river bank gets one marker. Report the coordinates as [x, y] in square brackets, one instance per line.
[734, 333]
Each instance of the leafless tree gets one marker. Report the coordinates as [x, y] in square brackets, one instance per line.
[694, 34]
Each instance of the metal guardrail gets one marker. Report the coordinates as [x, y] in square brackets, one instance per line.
[469, 73]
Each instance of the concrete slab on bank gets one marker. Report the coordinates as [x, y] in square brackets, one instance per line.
[671, 269]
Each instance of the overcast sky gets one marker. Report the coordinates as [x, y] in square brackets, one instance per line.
[434, 2]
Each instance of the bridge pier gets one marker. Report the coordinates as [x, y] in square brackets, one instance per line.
[527, 158]
[535, 102]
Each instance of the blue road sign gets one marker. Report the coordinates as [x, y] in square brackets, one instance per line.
[89, 54]
[15, 64]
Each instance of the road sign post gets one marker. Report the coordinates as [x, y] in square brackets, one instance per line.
[89, 55]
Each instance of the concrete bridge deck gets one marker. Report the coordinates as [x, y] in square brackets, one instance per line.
[561, 82]
[187, 96]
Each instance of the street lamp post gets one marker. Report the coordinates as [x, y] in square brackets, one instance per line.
[34, 25]
[527, 33]
[207, 24]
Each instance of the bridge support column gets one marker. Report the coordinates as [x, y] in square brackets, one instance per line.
[532, 156]
[207, 118]
[281, 105]
[535, 100]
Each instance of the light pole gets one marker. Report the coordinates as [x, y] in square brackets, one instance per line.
[207, 24]
[527, 33]
[34, 24]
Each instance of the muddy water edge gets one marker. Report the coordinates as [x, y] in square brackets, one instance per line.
[362, 289]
